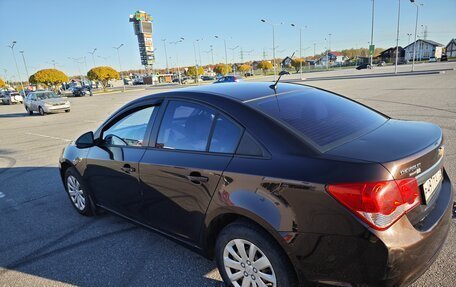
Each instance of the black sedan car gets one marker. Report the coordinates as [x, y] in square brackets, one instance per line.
[282, 186]
[364, 66]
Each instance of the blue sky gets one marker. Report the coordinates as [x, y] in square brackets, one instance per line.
[48, 30]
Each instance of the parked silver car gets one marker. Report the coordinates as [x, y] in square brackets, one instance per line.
[12, 98]
[45, 102]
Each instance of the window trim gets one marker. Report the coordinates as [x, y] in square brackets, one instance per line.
[160, 117]
[126, 113]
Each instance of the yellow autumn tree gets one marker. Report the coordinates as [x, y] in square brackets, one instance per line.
[103, 74]
[223, 69]
[244, 68]
[265, 65]
[49, 77]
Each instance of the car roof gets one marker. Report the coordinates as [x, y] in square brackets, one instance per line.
[243, 92]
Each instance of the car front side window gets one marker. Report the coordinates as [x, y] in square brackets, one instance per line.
[129, 130]
[185, 126]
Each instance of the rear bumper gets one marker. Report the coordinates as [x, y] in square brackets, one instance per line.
[411, 250]
[394, 257]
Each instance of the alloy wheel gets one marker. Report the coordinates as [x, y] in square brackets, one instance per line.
[247, 266]
[76, 193]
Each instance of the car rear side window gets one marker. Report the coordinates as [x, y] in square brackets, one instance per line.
[323, 119]
[185, 126]
[225, 137]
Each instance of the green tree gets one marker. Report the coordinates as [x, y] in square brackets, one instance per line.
[191, 71]
[244, 68]
[2, 83]
[222, 69]
[265, 65]
[49, 77]
[296, 63]
[103, 74]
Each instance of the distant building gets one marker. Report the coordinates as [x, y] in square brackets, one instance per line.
[389, 55]
[450, 49]
[425, 49]
[335, 58]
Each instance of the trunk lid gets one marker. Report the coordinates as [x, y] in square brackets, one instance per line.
[405, 149]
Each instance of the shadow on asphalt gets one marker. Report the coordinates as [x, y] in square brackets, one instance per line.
[15, 115]
[42, 235]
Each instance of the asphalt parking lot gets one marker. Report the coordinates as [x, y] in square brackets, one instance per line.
[45, 242]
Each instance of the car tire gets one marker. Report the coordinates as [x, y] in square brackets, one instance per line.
[78, 192]
[41, 111]
[276, 269]
[30, 112]
[67, 111]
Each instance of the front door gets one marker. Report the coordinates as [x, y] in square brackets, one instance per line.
[179, 175]
[113, 165]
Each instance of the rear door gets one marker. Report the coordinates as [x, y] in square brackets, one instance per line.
[193, 145]
[113, 165]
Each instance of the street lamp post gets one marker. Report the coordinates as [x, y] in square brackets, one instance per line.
[212, 54]
[416, 28]
[273, 45]
[372, 33]
[25, 65]
[234, 60]
[120, 65]
[15, 62]
[79, 62]
[300, 46]
[397, 36]
[226, 54]
[177, 58]
[196, 63]
[199, 50]
[93, 57]
[166, 55]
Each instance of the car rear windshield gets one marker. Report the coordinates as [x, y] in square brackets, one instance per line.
[323, 119]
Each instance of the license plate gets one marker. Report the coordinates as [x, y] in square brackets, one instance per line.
[430, 185]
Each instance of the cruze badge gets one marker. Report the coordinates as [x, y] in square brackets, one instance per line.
[412, 170]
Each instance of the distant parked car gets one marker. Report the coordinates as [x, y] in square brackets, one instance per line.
[432, 60]
[128, 81]
[248, 74]
[364, 66]
[381, 63]
[12, 98]
[444, 58]
[45, 102]
[207, 78]
[187, 81]
[138, 81]
[228, 79]
[80, 91]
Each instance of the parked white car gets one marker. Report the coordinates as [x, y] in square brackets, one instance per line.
[45, 102]
[12, 98]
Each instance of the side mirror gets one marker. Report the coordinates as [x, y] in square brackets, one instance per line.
[86, 140]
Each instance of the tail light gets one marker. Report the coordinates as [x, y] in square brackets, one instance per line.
[379, 204]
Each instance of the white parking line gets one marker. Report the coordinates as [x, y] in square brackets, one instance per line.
[45, 136]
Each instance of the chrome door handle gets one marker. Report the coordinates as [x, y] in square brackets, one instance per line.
[127, 168]
[197, 179]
